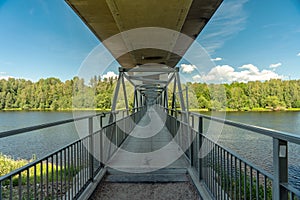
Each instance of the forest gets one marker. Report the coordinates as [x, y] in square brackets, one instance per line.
[53, 94]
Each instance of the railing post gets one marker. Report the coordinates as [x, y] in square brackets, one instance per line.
[101, 140]
[280, 164]
[200, 141]
[192, 142]
[91, 149]
[191, 147]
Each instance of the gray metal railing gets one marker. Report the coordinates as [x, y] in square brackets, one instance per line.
[226, 174]
[67, 172]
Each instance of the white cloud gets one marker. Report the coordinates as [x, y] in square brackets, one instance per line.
[226, 73]
[275, 65]
[197, 78]
[251, 68]
[109, 74]
[216, 59]
[229, 19]
[298, 54]
[188, 68]
[3, 75]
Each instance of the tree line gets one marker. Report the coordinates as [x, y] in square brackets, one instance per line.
[53, 94]
[273, 94]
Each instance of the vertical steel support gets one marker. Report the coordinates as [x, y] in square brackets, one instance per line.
[114, 104]
[125, 93]
[280, 164]
[183, 108]
[91, 149]
[135, 99]
[141, 99]
[190, 138]
[174, 98]
[166, 97]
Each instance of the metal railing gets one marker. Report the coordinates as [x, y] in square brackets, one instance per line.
[67, 172]
[226, 174]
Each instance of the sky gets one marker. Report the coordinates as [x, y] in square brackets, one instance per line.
[246, 40]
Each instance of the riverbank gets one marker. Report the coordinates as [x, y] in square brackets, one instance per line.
[246, 110]
[192, 110]
[59, 110]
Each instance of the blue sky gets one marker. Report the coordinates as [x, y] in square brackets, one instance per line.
[247, 40]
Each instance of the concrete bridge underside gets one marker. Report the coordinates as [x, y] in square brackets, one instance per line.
[107, 18]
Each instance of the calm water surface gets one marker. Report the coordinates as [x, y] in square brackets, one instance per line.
[40, 142]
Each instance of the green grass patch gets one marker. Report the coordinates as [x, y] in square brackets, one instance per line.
[261, 109]
[293, 109]
[7, 164]
[38, 178]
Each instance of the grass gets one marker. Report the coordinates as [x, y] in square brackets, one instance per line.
[293, 109]
[38, 179]
[238, 185]
[7, 164]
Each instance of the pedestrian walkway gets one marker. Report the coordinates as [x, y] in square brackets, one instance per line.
[149, 165]
[149, 147]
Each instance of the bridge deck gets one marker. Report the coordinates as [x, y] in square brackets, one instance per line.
[155, 168]
[149, 147]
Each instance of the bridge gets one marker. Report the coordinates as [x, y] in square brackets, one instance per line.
[153, 142]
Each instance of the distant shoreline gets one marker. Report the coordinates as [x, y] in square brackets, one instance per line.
[192, 110]
[248, 110]
[51, 110]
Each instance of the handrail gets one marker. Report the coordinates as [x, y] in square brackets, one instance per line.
[225, 172]
[75, 166]
[249, 163]
[60, 149]
[51, 124]
[290, 137]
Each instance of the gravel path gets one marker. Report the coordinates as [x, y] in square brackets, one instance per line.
[145, 191]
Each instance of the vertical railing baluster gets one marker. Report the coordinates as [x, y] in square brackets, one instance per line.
[47, 177]
[265, 187]
[10, 187]
[240, 179]
[52, 177]
[257, 184]
[61, 174]
[219, 175]
[68, 177]
[20, 185]
[1, 186]
[28, 183]
[245, 181]
[56, 170]
[65, 172]
[34, 182]
[251, 181]
[235, 178]
[41, 174]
